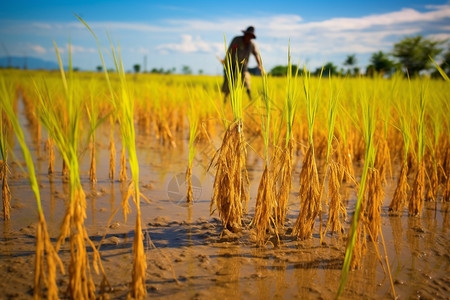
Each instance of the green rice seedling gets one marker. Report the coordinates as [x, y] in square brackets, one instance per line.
[442, 72]
[230, 195]
[284, 156]
[124, 105]
[266, 204]
[65, 133]
[47, 259]
[309, 195]
[417, 196]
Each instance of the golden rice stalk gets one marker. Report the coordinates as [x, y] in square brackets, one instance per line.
[444, 159]
[383, 160]
[265, 208]
[47, 276]
[125, 204]
[147, 124]
[349, 171]
[112, 159]
[336, 207]
[374, 201]
[81, 285]
[65, 169]
[6, 193]
[51, 156]
[446, 195]
[188, 179]
[361, 242]
[285, 176]
[230, 195]
[401, 191]
[157, 128]
[137, 285]
[38, 136]
[309, 195]
[92, 169]
[416, 199]
[360, 245]
[433, 184]
[123, 166]
[168, 136]
[112, 151]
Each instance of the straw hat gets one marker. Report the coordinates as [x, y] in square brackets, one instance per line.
[250, 30]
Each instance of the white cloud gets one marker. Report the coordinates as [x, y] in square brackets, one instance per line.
[404, 16]
[189, 44]
[41, 26]
[38, 49]
[80, 49]
[140, 50]
[439, 37]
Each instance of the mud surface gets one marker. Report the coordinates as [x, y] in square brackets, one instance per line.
[189, 256]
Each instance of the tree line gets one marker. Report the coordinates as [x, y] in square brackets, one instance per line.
[411, 54]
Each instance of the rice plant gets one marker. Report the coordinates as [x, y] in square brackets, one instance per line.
[92, 110]
[230, 195]
[124, 107]
[417, 196]
[266, 203]
[356, 236]
[404, 118]
[309, 195]
[336, 206]
[284, 155]
[65, 133]
[193, 131]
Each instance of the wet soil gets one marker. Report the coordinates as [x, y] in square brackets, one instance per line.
[190, 256]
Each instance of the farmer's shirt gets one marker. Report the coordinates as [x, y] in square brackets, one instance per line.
[243, 52]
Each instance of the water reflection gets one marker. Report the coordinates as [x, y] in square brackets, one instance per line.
[261, 275]
[413, 239]
[229, 270]
[305, 275]
[281, 285]
[112, 198]
[397, 234]
[93, 198]
[51, 182]
[445, 207]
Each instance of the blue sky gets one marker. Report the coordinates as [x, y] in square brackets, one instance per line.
[176, 33]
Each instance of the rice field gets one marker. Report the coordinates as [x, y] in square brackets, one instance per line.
[142, 185]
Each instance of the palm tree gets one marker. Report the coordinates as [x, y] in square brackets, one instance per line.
[351, 61]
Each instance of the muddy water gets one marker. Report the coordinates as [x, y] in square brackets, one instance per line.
[186, 256]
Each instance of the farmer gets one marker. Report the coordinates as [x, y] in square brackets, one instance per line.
[239, 50]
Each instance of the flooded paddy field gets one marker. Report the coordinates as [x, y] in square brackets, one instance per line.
[190, 255]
